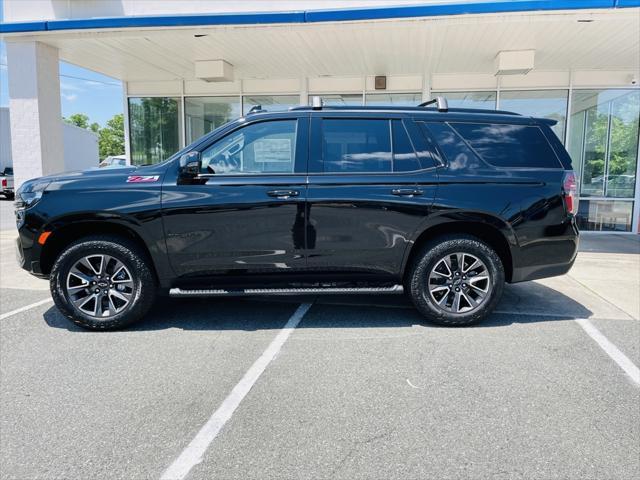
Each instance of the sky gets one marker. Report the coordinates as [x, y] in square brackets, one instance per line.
[81, 90]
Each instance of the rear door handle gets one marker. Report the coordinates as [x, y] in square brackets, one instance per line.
[283, 193]
[407, 192]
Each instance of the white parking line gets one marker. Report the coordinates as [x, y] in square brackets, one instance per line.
[25, 308]
[620, 358]
[192, 455]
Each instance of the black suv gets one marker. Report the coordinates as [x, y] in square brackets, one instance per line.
[442, 204]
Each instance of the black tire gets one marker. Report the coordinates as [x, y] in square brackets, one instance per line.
[428, 258]
[143, 290]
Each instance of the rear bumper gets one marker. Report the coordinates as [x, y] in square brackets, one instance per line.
[525, 274]
[546, 257]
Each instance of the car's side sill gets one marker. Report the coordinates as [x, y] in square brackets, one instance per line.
[178, 292]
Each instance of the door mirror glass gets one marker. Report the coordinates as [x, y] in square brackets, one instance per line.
[190, 164]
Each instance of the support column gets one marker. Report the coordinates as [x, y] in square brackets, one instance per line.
[34, 108]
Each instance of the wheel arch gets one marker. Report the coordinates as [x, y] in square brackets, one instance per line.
[492, 230]
[66, 232]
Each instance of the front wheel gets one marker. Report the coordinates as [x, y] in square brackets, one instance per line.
[456, 280]
[103, 283]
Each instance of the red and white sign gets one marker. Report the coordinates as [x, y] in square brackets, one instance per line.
[142, 178]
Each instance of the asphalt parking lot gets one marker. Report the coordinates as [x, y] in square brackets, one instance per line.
[359, 387]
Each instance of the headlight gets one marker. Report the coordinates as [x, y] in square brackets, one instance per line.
[29, 194]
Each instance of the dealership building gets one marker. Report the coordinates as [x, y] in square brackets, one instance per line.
[189, 66]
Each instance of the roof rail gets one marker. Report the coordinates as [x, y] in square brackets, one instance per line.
[441, 104]
[317, 103]
[255, 109]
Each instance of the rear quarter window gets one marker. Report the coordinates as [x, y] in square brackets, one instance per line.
[508, 145]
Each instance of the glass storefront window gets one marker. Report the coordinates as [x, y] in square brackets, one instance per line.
[539, 103]
[483, 100]
[337, 100]
[395, 99]
[205, 114]
[270, 103]
[604, 141]
[155, 128]
[605, 215]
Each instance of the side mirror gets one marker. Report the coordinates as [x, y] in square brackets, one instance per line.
[190, 164]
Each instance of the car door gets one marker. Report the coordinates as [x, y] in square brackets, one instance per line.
[245, 211]
[371, 185]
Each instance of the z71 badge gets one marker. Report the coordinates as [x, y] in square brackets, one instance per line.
[142, 178]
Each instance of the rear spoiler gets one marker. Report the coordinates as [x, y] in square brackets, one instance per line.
[547, 121]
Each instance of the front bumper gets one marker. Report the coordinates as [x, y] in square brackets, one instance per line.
[26, 260]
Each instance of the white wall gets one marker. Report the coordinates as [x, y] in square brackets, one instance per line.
[5, 139]
[80, 148]
[80, 145]
[24, 10]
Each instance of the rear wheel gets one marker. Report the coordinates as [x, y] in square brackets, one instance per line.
[103, 283]
[456, 280]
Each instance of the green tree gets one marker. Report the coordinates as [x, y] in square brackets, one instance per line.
[111, 137]
[78, 119]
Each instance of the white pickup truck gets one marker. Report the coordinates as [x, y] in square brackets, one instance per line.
[6, 183]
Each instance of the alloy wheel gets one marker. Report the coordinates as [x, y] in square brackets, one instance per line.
[99, 286]
[459, 283]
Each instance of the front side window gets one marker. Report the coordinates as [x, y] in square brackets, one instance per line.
[508, 145]
[264, 147]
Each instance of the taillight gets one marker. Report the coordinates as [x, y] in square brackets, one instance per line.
[4, 183]
[570, 192]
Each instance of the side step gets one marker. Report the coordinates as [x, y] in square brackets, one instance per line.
[178, 292]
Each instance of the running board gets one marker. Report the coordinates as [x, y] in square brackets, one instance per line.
[178, 292]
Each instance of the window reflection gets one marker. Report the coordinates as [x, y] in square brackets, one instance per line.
[394, 99]
[550, 104]
[338, 100]
[356, 145]
[483, 100]
[270, 103]
[155, 128]
[605, 215]
[205, 114]
[265, 147]
[604, 141]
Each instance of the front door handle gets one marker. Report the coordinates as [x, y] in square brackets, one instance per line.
[283, 193]
[407, 192]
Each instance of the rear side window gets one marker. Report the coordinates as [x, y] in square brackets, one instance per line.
[504, 145]
[404, 156]
[356, 145]
[456, 151]
[367, 146]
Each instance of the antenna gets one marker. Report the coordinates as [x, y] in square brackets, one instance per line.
[441, 104]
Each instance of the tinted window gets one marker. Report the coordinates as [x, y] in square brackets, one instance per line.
[404, 156]
[265, 147]
[457, 153]
[356, 145]
[509, 145]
